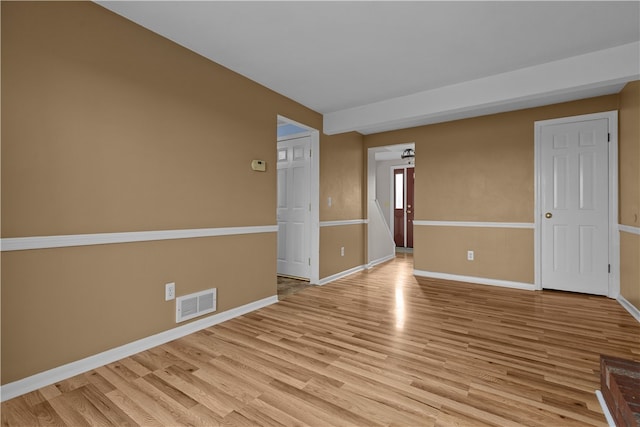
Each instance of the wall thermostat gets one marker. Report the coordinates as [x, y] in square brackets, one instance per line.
[259, 165]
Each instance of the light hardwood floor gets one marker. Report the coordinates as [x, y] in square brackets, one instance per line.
[378, 348]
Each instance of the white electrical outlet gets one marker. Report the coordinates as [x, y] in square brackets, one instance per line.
[169, 291]
[342, 251]
[470, 255]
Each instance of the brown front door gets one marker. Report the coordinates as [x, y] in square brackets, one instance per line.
[409, 184]
[403, 207]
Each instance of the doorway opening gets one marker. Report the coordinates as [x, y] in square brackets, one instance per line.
[380, 201]
[298, 189]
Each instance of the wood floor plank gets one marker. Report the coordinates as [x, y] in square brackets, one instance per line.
[76, 401]
[17, 412]
[103, 405]
[47, 415]
[546, 413]
[131, 389]
[384, 412]
[206, 393]
[172, 412]
[132, 409]
[260, 417]
[70, 414]
[376, 348]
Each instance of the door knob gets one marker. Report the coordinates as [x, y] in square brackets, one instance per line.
[548, 215]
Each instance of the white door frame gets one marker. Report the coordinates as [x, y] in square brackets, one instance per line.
[614, 238]
[314, 199]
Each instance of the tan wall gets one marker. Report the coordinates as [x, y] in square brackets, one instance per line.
[499, 253]
[341, 176]
[630, 268]
[60, 305]
[629, 155]
[107, 127]
[479, 169]
[332, 239]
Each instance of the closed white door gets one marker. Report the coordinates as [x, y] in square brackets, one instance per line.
[293, 207]
[575, 206]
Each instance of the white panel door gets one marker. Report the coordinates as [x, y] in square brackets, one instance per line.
[575, 206]
[293, 214]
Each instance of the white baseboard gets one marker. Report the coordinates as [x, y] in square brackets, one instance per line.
[34, 382]
[380, 261]
[605, 409]
[340, 275]
[629, 307]
[478, 280]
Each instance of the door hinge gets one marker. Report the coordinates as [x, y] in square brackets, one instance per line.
[608, 137]
[309, 207]
[609, 268]
[309, 261]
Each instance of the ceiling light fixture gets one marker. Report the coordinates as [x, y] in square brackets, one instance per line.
[409, 153]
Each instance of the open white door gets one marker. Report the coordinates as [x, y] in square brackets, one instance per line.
[294, 222]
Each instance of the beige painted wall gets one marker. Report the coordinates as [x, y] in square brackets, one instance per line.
[629, 154]
[332, 239]
[341, 177]
[107, 127]
[482, 170]
[630, 268]
[60, 305]
[499, 253]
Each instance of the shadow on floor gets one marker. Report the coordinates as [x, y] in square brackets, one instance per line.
[289, 286]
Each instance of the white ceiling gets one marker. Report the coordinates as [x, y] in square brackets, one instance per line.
[372, 66]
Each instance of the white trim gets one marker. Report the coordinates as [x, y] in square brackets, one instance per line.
[294, 136]
[629, 307]
[342, 222]
[63, 241]
[474, 224]
[629, 229]
[605, 409]
[380, 261]
[614, 236]
[34, 382]
[340, 275]
[314, 200]
[478, 280]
